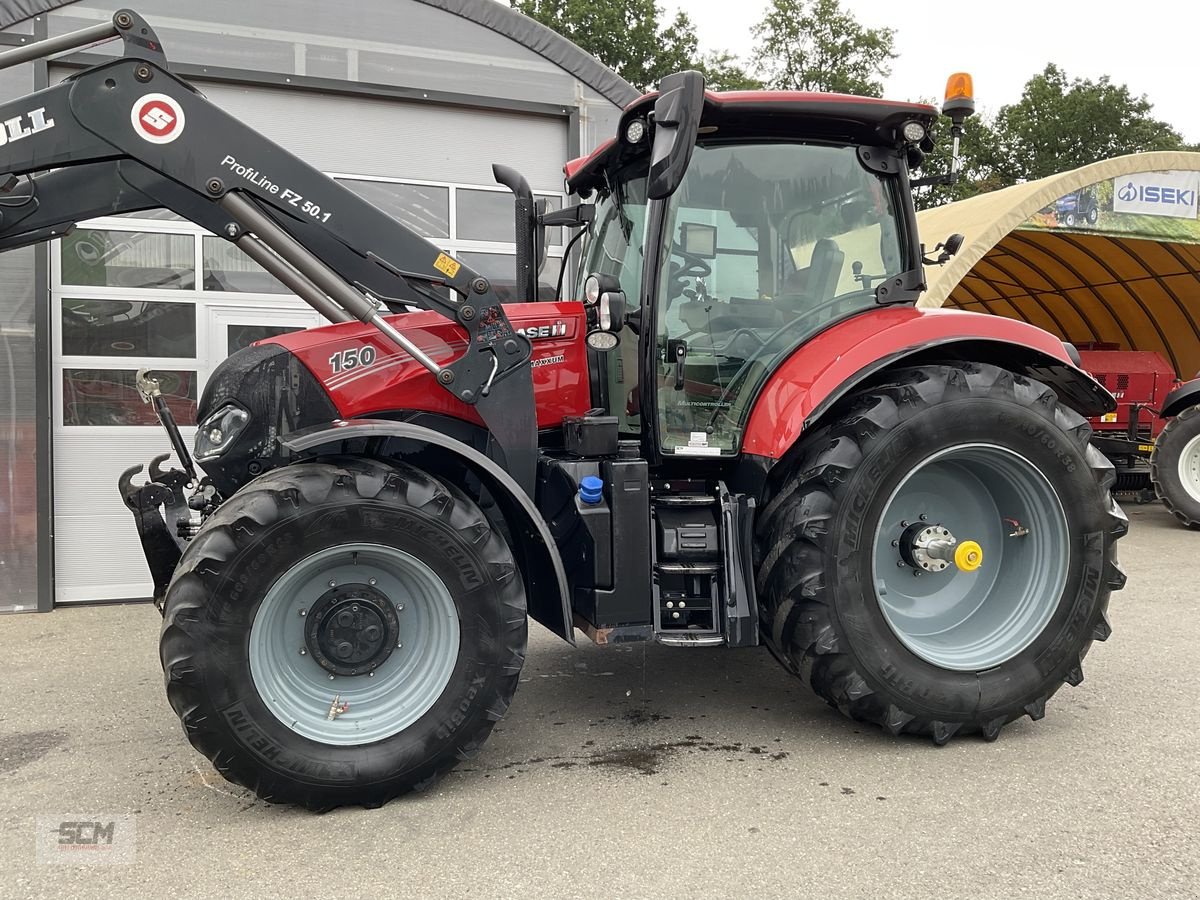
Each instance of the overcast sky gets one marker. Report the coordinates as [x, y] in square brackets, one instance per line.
[1151, 46]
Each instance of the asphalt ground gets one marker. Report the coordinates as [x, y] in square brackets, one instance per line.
[639, 771]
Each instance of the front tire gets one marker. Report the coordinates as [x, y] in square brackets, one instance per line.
[343, 632]
[978, 640]
[1175, 466]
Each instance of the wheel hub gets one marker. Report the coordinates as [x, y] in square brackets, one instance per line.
[352, 629]
[929, 548]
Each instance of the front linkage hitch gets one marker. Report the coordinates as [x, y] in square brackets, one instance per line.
[162, 543]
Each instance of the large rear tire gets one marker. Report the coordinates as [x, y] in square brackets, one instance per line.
[1175, 466]
[343, 632]
[864, 596]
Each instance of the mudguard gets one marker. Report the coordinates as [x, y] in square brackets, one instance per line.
[546, 592]
[830, 365]
[1180, 398]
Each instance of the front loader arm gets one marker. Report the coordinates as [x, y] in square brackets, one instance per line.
[142, 137]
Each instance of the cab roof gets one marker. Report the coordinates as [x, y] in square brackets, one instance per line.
[782, 115]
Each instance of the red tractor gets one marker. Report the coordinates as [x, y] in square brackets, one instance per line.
[1153, 436]
[739, 431]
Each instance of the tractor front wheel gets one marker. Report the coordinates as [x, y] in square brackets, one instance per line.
[1175, 466]
[343, 632]
[939, 558]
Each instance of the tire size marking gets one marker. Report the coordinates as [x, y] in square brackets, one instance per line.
[352, 358]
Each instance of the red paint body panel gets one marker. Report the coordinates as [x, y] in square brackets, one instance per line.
[1134, 377]
[395, 381]
[819, 368]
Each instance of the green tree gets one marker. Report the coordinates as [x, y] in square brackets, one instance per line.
[629, 36]
[723, 72]
[979, 152]
[1060, 124]
[815, 45]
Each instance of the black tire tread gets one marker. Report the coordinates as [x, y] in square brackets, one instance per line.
[792, 534]
[1176, 429]
[230, 530]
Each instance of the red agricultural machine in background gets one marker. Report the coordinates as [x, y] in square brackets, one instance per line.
[734, 429]
[1153, 436]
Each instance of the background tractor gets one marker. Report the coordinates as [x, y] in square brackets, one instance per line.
[739, 432]
[1153, 436]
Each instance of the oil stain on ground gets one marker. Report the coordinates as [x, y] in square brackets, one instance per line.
[19, 750]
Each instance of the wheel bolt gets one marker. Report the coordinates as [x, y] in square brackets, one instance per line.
[331, 676]
[924, 518]
[899, 564]
[304, 612]
[400, 607]
[332, 583]
[303, 652]
[370, 674]
[370, 581]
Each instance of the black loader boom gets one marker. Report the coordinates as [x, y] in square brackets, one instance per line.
[128, 135]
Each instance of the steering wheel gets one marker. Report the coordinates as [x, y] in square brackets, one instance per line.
[693, 266]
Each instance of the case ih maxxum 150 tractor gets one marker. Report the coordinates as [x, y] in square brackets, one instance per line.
[741, 432]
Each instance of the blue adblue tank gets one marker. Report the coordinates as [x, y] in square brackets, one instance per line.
[591, 489]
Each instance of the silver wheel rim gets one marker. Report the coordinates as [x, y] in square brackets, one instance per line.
[974, 620]
[1189, 468]
[404, 686]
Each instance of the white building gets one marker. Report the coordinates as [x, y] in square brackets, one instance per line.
[408, 102]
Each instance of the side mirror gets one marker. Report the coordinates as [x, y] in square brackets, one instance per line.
[597, 284]
[699, 240]
[948, 248]
[676, 124]
[611, 311]
[540, 208]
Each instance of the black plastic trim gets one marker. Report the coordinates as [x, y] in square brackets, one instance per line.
[1180, 398]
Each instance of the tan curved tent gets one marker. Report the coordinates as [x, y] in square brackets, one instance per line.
[1105, 254]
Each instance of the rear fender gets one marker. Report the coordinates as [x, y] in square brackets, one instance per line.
[1180, 398]
[546, 591]
[831, 365]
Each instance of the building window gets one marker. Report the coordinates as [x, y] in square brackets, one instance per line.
[128, 259]
[226, 268]
[136, 328]
[425, 208]
[106, 397]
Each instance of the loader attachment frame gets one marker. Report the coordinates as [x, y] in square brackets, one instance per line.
[129, 135]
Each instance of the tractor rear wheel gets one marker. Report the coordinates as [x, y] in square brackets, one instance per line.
[939, 558]
[343, 632]
[1175, 466]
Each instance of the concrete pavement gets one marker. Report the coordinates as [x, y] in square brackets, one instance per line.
[642, 772]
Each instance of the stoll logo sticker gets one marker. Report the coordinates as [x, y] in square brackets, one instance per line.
[86, 839]
[157, 118]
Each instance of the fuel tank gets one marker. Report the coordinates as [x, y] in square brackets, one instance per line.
[364, 374]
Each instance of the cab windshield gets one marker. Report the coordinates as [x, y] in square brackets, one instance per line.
[762, 246]
[767, 243]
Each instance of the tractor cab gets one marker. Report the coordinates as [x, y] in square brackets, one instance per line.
[728, 229]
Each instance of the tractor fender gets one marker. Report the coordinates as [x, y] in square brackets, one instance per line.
[546, 592]
[834, 362]
[1180, 398]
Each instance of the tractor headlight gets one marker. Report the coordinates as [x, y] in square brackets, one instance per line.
[914, 132]
[591, 290]
[635, 131]
[218, 432]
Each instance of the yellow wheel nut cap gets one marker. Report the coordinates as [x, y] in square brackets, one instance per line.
[968, 556]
